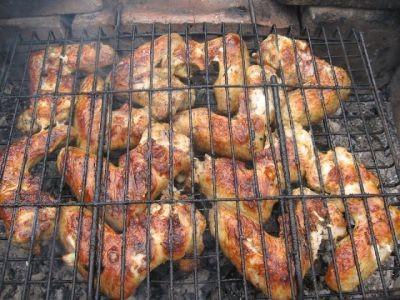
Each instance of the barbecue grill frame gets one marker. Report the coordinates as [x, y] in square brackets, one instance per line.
[353, 39]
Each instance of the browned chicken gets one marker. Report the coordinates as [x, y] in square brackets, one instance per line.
[87, 121]
[30, 189]
[48, 103]
[269, 273]
[165, 242]
[298, 142]
[43, 76]
[138, 173]
[134, 72]
[224, 180]
[232, 56]
[331, 176]
[362, 232]
[213, 133]
[293, 57]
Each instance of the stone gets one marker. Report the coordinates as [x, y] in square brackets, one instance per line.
[381, 30]
[9, 28]
[91, 23]
[369, 4]
[271, 12]
[267, 12]
[34, 8]
[394, 97]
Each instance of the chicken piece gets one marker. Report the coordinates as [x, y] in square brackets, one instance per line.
[232, 66]
[269, 273]
[218, 138]
[334, 210]
[232, 56]
[87, 122]
[138, 172]
[69, 61]
[331, 175]
[346, 168]
[259, 105]
[261, 101]
[30, 189]
[135, 73]
[58, 67]
[279, 52]
[224, 180]
[165, 242]
[161, 100]
[318, 103]
[47, 103]
[159, 53]
[300, 152]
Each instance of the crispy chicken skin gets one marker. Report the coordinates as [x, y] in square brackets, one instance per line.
[281, 53]
[224, 178]
[178, 99]
[160, 234]
[331, 175]
[275, 281]
[329, 210]
[43, 76]
[137, 181]
[269, 273]
[362, 233]
[69, 61]
[119, 132]
[134, 72]
[30, 190]
[218, 138]
[47, 103]
[297, 141]
[232, 68]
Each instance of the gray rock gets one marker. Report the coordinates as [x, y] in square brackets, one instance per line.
[91, 22]
[267, 12]
[370, 4]
[25, 26]
[34, 8]
[381, 31]
[271, 12]
[394, 96]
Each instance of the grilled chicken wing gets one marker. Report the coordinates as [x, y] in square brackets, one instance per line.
[267, 268]
[135, 72]
[138, 172]
[87, 122]
[41, 107]
[232, 56]
[212, 133]
[54, 66]
[227, 175]
[30, 188]
[362, 232]
[161, 100]
[345, 172]
[293, 57]
[165, 242]
[300, 152]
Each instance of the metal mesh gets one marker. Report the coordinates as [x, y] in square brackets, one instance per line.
[360, 125]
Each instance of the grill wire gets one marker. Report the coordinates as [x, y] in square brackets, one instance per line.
[364, 131]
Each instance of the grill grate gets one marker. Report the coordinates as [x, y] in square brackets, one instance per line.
[360, 125]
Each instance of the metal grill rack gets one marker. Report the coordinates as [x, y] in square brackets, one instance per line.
[361, 126]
